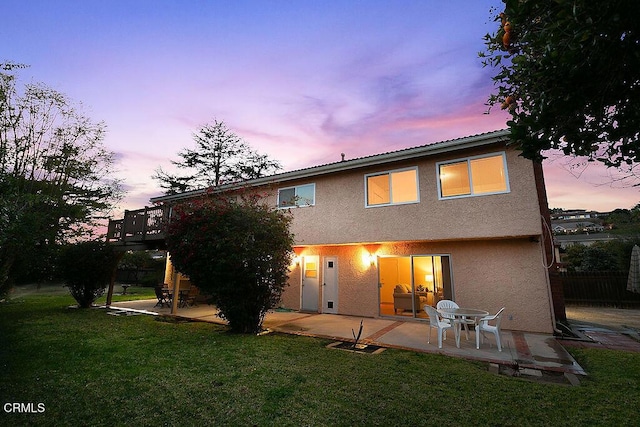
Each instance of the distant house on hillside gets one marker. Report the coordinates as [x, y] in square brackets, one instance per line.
[576, 227]
[574, 214]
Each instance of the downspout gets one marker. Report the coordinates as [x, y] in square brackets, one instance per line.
[549, 293]
[546, 245]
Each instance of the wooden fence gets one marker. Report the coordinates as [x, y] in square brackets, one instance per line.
[599, 288]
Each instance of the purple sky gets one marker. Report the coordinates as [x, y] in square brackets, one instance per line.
[302, 81]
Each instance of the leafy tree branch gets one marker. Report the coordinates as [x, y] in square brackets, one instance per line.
[568, 72]
[56, 176]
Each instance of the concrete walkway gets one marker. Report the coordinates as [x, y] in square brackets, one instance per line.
[525, 352]
[604, 327]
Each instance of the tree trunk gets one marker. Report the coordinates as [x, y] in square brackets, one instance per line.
[6, 262]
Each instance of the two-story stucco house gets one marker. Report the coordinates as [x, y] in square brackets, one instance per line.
[380, 236]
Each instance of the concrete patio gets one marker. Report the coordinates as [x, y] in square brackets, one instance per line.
[527, 352]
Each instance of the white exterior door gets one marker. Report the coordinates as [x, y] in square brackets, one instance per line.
[310, 283]
[330, 285]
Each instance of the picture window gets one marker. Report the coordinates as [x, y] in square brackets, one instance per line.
[301, 195]
[392, 188]
[473, 176]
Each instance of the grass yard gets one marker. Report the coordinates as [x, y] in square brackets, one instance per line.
[50, 289]
[90, 368]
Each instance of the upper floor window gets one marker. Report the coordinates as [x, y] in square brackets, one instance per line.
[392, 187]
[300, 195]
[473, 176]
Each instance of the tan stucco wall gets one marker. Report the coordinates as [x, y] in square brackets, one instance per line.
[486, 275]
[494, 262]
[171, 274]
[355, 279]
[340, 215]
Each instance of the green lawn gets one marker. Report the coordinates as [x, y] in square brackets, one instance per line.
[133, 293]
[90, 368]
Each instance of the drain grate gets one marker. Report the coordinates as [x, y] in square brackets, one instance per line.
[360, 348]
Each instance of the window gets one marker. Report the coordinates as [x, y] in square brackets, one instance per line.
[301, 195]
[392, 188]
[407, 283]
[473, 176]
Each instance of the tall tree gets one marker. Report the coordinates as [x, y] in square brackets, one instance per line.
[220, 157]
[568, 71]
[55, 174]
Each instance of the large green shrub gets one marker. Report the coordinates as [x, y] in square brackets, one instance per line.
[86, 268]
[237, 251]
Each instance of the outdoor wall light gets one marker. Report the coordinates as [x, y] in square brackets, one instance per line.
[297, 256]
[369, 255]
[368, 259]
[295, 261]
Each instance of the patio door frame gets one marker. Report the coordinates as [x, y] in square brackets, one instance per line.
[447, 292]
[310, 283]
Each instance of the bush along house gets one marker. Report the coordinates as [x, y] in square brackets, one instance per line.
[382, 235]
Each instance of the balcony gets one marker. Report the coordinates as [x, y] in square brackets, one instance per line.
[140, 227]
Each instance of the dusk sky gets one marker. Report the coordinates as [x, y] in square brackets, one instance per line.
[301, 81]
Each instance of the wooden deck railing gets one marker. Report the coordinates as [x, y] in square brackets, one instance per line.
[139, 226]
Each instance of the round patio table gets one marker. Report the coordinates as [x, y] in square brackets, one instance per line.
[459, 314]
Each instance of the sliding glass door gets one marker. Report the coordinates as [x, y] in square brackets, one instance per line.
[406, 283]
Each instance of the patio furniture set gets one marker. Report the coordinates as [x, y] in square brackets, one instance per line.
[186, 297]
[448, 315]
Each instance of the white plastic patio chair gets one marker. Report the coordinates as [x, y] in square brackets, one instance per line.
[436, 322]
[445, 303]
[484, 326]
